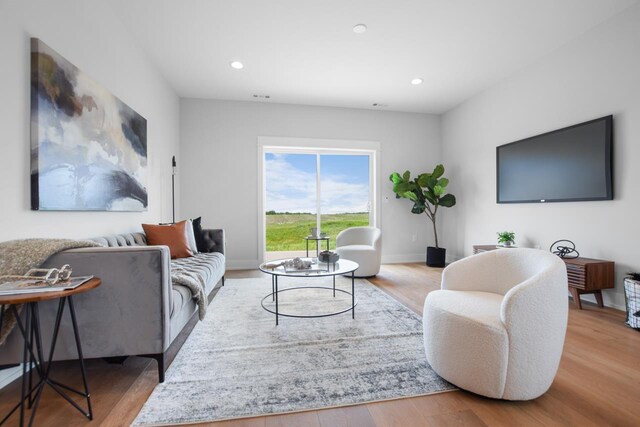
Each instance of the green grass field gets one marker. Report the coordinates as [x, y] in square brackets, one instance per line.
[286, 232]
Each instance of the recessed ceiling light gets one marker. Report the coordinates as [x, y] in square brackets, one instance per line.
[237, 65]
[417, 81]
[360, 28]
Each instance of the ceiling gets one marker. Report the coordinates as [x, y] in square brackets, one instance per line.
[305, 52]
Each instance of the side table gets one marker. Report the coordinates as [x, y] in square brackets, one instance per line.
[318, 239]
[29, 326]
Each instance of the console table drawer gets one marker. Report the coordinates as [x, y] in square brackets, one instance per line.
[577, 283]
[576, 276]
[590, 274]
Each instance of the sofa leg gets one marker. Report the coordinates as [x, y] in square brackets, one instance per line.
[161, 368]
[159, 357]
[222, 280]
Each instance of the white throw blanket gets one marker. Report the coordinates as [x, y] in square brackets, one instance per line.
[195, 283]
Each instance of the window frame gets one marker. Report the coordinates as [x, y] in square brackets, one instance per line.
[319, 147]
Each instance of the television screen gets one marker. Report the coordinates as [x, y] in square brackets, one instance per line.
[569, 164]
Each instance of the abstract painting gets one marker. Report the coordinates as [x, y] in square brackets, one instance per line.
[88, 148]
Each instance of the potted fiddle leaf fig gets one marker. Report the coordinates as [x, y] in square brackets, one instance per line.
[427, 192]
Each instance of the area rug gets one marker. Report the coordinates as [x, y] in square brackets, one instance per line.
[238, 363]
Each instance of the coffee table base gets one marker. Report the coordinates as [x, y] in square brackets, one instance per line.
[309, 316]
[275, 292]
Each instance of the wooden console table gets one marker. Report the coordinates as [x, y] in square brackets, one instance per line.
[586, 275]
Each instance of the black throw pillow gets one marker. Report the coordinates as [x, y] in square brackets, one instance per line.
[199, 234]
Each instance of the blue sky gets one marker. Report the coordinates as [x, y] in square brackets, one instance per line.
[291, 183]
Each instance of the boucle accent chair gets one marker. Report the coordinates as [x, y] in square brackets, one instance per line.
[362, 245]
[497, 326]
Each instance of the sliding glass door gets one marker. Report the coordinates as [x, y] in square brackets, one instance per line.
[291, 200]
[322, 189]
[344, 193]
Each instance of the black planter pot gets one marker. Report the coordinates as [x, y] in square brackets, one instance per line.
[436, 256]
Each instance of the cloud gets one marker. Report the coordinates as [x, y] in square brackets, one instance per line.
[290, 189]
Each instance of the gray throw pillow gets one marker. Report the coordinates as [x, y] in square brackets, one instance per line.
[191, 237]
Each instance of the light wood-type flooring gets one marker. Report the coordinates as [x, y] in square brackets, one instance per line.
[598, 383]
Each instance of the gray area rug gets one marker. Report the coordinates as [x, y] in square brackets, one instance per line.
[238, 363]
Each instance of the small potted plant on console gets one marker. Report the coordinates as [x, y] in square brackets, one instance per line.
[506, 238]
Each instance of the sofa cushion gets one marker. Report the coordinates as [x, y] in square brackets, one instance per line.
[199, 234]
[476, 307]
[209, 265]
[191, 237]
[460, 329]
[173, 236]
[354, 248]
[182, 309]
[180, 296]
[119, 240]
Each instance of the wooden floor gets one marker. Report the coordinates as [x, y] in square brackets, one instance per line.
[598, 383]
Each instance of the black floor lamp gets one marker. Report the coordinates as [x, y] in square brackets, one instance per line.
[173, 189]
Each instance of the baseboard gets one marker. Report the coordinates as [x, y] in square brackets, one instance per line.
[451, 257]
[7, 376]
[243, 264]
[607, 301]
[400, 258]
[386, 259]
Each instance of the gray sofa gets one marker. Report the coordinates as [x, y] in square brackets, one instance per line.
[136, 311]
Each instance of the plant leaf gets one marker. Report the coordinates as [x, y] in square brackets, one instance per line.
[410, 195]
[395, 178]
[431, 182]
[443, 182]
[417, 208]
[448, 200]
[438, 171]
[406, 176]
[423, 178]
[401, 187]
[438, 191]
[430, 197]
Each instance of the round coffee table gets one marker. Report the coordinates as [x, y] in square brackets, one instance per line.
[342, 267]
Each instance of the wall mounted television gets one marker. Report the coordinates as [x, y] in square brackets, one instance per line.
[566, 165]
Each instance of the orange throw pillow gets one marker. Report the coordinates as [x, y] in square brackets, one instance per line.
[169, 235]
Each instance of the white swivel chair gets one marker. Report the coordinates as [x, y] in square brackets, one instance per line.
[497, 326]
[362, 245]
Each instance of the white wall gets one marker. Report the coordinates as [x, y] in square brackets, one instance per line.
[90, 36]
[219, 144]
[596, 75]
